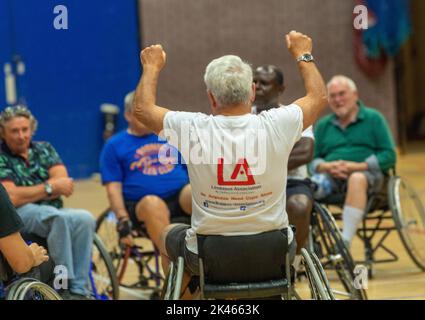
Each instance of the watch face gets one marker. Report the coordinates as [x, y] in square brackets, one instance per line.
[308, 57]
[48, 188]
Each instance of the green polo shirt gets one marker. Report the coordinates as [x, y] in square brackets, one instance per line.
[367, 139]
[25, 173]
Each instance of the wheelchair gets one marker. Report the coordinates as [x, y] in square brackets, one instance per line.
[24, 287]
[29, 289]
[102, 277]
[227, 270]
[144, 256]
[397, 207]
[325, 240]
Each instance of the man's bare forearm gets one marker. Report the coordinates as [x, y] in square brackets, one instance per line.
[114, 191]
[301, 154]
[313, 82]
[24, 195]
[145, 95]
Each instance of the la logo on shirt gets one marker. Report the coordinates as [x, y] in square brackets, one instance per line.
[241, 175]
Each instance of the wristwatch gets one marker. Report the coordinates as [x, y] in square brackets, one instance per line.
[307, 57]
[48, 188]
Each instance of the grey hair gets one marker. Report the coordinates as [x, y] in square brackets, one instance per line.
[12, 112]
[128, 101]
[340, 79]
[229, 79]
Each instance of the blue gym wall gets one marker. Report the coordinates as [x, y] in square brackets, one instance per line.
[70, 73]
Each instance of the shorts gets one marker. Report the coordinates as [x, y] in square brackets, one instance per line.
[175, 244]
[297, 186]
[172, 204]
[327, 185]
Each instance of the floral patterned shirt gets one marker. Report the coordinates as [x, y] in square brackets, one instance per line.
[25, 173]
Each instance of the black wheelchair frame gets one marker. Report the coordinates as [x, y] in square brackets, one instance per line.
[382, 207]
[325, 240]
[280, 287]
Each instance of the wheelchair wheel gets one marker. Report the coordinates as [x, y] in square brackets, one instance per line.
[173, 281]
[409, 216]
[106, 229]
[121, 256]
[322, 274]
[103, 276]
[318, 288]
[31, 289]
[333, 253]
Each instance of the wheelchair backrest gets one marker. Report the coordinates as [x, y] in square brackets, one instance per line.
[242, 259]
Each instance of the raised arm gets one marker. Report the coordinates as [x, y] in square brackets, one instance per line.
[315, 100]
[144, 105]
[301, 154]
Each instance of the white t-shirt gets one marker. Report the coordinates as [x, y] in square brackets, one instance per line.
[301, 172]
[237, 168]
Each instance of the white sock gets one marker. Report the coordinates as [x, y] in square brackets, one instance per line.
[351, 218]
[297, 262]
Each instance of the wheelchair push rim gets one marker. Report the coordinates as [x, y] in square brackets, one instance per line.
[409, 216]
[103, 277]
[331, 239]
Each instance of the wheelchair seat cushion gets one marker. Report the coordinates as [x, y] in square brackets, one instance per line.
[244, 259]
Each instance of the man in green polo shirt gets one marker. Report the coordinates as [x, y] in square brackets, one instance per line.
[354, 150]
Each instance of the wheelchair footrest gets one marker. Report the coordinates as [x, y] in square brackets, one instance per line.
[246, 290]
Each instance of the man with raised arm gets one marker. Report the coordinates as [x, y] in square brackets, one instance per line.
[237, 161]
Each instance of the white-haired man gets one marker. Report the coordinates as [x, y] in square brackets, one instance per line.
[233, 193]
[354, 150]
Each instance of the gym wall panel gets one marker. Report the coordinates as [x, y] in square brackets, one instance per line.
[195, 31]
[70, 73]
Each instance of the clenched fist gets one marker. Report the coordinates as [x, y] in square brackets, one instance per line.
[153, 56]
[39, 254]
[298, 43]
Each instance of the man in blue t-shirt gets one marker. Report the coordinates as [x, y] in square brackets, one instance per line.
[145, 179]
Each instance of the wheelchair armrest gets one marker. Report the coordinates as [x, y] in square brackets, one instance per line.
[246, 290]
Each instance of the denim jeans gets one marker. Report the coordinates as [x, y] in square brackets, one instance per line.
[69, 234]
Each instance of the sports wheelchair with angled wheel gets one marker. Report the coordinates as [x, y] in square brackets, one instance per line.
[247, 267]
[24, 287]
[325, 240]
[397, 207]
[27, 289]
[143, 255]
[102, 277]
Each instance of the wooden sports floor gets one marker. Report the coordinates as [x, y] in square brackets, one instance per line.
[396, 280]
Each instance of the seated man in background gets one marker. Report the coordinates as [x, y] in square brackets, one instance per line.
[19, 256]
[35, 179]
[143, 183]
[269, 85]
[354, 150]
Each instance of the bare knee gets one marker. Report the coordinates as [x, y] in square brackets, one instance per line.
[299, 206]
[152, 207]
[357, 180]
